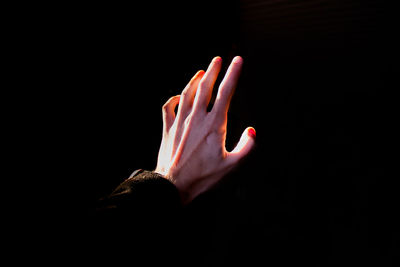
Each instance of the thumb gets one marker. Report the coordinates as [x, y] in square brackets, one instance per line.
[245, 145]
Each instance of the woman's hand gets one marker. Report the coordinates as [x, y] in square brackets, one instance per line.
[192, 153]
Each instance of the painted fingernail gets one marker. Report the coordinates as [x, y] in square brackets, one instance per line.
[237, 59]
[200, 72]
[217, 59]
[252, 133]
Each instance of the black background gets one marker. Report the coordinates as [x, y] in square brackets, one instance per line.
[317, 85]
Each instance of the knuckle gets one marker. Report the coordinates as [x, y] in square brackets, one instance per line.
[187, 121]
[191, 82]
[194, 119]
[164, 107]
[185, 92]
[191, 118]
[225, 91]
[203, 85]
[196, 114]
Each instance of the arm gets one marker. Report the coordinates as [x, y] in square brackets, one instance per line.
[145, 210]
[192, 155]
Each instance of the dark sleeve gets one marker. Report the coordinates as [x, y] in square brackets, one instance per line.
[140, 220]
[145, 196]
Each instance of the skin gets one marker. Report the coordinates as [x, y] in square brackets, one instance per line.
[192, 154]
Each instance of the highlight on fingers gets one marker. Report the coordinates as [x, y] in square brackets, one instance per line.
[205, 89]
[168, 111]
[188, 94]
[228, 86]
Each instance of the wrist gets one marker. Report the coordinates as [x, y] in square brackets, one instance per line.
[190, 190]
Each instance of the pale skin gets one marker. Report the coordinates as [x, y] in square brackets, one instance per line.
[192, 154]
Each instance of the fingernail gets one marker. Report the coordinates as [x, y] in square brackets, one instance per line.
[237, 59]
[252, 133]
[217, 59]
[199, 72]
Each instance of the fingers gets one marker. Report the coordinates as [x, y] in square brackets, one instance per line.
[204, 91]
[187, 96]
[198, 92]
[243, 148]
[168, 111]
[227, 88]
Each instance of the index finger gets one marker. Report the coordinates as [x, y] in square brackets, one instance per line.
[227, 87]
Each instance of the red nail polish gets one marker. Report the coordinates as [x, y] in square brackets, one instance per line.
[217, 59]
[237, 59]
[252, 133]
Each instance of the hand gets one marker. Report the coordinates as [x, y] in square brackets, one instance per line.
[192, 153]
